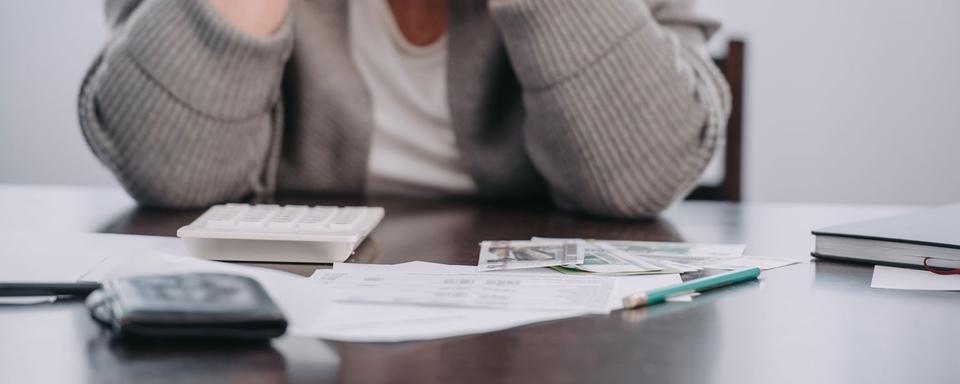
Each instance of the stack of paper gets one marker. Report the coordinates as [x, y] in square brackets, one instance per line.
[610, 257]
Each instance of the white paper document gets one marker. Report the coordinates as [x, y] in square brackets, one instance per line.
[361, 322]
[490, 290]
[623, 286]
[42, 257]
[764, 263]
[66, 257]
[916, 279]
[376, 323]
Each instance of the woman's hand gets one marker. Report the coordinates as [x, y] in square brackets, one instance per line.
[260, 18]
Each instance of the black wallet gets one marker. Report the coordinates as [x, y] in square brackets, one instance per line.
[196, 305]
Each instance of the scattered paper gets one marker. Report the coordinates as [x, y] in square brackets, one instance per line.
[677, 250]
[502, 255]
[492, 290]
[361, 322]
[624, 285]
[764, 263]
[66, 257]
[915, 279]
[375, 323]
[40, 257]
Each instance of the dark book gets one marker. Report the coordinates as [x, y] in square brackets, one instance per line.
[931, 234]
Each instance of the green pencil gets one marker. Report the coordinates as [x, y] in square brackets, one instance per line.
[659, 295]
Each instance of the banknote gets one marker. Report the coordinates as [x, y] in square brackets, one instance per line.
[602, 258]
[664, 257]
[677, 251]
[685, 257]
[519, 254]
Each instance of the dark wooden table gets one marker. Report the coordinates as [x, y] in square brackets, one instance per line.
[816, 322]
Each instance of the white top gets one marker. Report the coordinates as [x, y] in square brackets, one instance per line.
[413, 150]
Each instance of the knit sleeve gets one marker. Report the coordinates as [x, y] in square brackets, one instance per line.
[182, 107]
[624, 107]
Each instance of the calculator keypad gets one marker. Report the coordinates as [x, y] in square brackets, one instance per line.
[290, 217]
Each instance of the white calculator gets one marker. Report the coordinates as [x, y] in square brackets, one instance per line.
[274, 233]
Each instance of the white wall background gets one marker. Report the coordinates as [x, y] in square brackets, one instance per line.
[847, 101]
[46, 45]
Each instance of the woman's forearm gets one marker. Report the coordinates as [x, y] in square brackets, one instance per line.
[182, 107]
[623, 109]
[259, 18]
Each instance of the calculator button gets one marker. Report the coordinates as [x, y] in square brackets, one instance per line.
[225, 216]
[346, 218]
[317, 218]
[256, 216]
[287, 217]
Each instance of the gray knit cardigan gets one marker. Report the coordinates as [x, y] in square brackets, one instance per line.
[610, 107]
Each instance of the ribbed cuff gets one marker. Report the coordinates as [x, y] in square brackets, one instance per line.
[550, 40]
[206, 63]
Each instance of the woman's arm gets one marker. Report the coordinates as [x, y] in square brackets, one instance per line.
[183, 104]
[624, 107]
[258, 18]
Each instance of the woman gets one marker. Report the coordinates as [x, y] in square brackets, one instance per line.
[610, 107]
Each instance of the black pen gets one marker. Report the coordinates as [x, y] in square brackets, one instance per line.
[48, 289]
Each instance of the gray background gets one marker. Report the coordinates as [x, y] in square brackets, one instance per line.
[848, 101]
